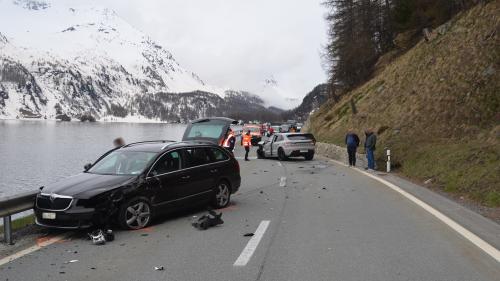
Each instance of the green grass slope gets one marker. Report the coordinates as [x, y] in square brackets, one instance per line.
[436, 107]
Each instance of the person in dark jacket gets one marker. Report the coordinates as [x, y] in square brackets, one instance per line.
[352, 142]
[370, 143]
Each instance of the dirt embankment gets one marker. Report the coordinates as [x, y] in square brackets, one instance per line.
[436, 107]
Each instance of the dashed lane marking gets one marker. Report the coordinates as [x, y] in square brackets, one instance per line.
[282, 181]
[252, 244]
[40, 244]
[474, 239]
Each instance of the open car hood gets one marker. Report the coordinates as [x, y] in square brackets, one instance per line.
[212, 130]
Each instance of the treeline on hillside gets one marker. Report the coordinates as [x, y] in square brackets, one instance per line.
[360, 31]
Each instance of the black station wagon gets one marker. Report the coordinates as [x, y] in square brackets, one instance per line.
[131, 184]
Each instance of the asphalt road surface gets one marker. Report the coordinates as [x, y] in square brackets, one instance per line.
[313, 220]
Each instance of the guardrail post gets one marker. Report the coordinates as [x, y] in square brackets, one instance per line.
[388, 160]
[7, 230]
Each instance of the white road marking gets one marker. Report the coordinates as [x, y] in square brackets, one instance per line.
[33, 249]
[474, 239]
[252, 244]
[282, 181]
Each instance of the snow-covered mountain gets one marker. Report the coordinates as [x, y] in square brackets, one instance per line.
[274, 95]
[56, 58]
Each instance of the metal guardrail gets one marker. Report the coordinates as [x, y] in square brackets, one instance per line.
[14, 204]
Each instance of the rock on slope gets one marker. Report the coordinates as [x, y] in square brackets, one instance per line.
[437, 107]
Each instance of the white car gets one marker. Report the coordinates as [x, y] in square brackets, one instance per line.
[286, 145]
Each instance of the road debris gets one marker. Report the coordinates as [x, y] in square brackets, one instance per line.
[159, 268]
[109, 235]
[209, 220]
[248, 234]
[73, 261]
[100, 237]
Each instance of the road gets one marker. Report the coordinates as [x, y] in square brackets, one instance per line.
[325, 222]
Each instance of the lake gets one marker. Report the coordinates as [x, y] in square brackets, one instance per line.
[36, 153]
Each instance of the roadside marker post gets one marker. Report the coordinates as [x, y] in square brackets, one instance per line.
[7, 230]
[388, 160]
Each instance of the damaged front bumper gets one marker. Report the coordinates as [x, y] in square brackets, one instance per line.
[74, 218]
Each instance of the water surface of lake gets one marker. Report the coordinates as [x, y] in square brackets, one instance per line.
[35, 153]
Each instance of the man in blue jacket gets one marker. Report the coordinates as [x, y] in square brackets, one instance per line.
[352, 143]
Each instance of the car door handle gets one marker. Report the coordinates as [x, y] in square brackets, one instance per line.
[185, 177]
[213, 171]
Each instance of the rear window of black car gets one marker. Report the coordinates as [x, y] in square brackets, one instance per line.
[217, 154]
[196, 157]
[170, 162]
[300, 137]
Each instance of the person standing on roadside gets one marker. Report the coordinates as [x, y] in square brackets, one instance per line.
[352, 142]
[230, 141]
[371, 141]
[246, 141]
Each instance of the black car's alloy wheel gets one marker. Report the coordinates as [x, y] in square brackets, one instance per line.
[222, 195]
[135, 213]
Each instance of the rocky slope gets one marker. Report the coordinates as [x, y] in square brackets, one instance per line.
[437, 107]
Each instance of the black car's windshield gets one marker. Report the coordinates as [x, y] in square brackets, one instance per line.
[123, 163]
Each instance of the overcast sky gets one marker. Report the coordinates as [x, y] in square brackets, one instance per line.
[237, 43]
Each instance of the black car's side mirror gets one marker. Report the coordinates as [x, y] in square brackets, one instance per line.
[87, 167]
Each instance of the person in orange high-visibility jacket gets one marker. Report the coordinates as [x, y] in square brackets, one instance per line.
[246, 141]
[230, 141]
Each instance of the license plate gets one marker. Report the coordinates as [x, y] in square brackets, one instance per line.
[304, 151]
[49, 216]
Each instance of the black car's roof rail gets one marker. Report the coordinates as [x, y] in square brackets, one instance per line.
[151, 141]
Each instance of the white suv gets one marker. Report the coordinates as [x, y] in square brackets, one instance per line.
[288, 145]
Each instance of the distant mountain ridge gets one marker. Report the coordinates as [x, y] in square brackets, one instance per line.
[90, 61]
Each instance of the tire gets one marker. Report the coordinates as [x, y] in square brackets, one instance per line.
[135, 213]
[260, 153]
[309, 156]
[281, 154]
[222, 195]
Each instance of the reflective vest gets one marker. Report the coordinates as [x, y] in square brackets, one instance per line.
[247, 140]
[226, 142]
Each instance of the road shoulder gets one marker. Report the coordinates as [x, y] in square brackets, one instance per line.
[484, 228]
